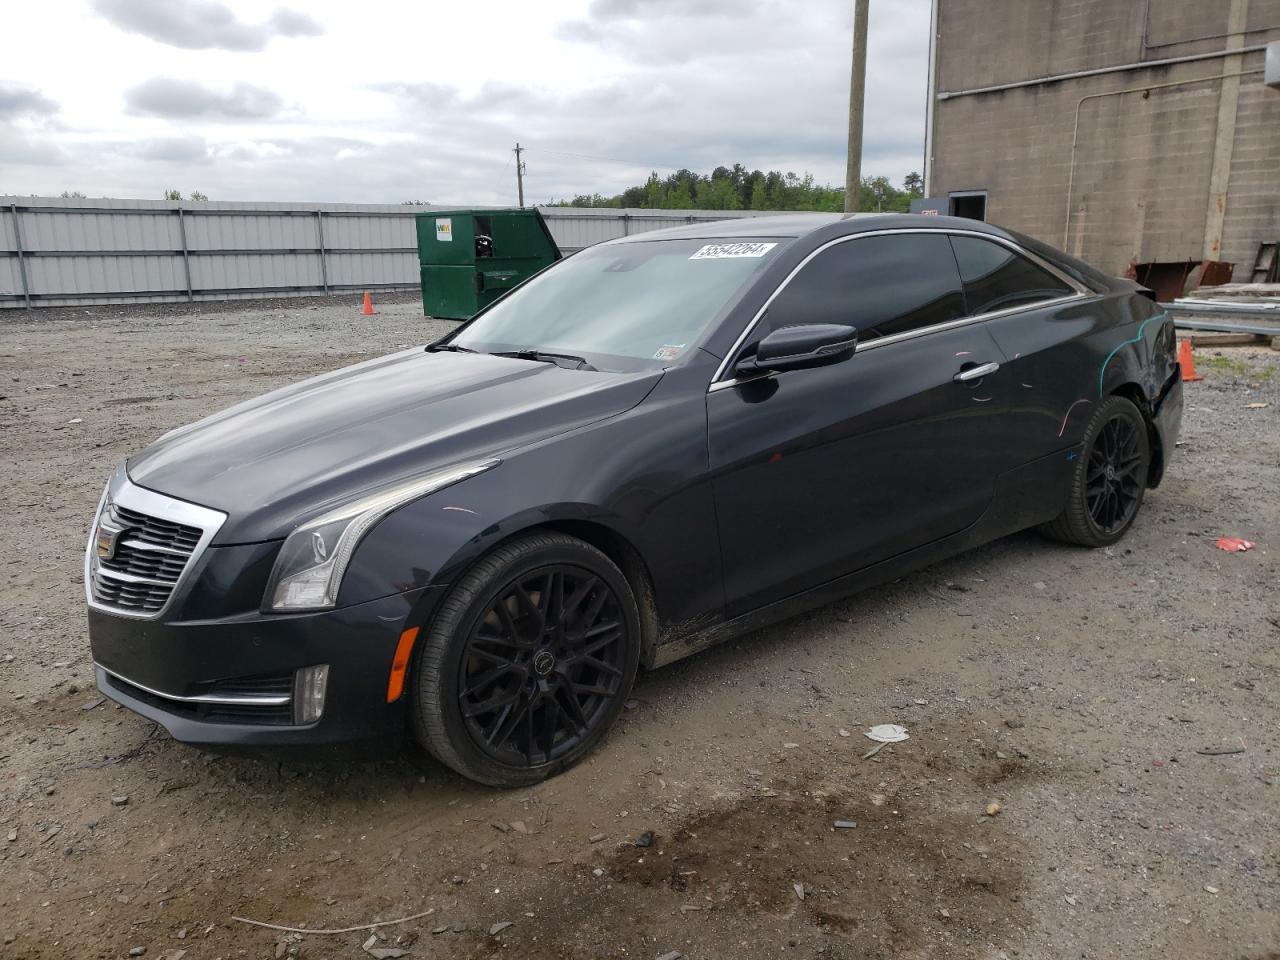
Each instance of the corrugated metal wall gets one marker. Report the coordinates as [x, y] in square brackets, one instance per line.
[576, 227]
[56, 251]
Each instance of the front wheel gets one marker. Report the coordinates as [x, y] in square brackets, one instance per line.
[1108, 480]
[528, 661]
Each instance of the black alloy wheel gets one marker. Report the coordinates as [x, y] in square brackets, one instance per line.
[542, 664]
[527, 662]
[1116, 475]
[1108, 481]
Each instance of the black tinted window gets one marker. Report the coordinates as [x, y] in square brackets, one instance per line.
[996, 278]
[880, 285]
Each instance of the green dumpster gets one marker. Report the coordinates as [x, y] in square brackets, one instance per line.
[469, 258]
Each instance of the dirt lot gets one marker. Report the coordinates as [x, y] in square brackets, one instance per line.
[1075, 689]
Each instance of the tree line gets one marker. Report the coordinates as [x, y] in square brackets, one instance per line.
[737, 188]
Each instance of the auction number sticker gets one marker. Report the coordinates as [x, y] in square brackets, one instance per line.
[732, 251]
[444, 228]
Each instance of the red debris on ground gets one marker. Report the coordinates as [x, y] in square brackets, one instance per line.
[1234, 544]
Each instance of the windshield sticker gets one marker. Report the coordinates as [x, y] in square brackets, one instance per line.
[444, 228]
[668, 352]
[732, 251]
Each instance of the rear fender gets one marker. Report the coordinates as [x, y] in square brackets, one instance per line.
[1144, 353]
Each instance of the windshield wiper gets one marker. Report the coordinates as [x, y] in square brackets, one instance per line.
[451, 347]
[578, 362]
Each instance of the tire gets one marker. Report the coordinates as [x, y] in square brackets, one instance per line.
[527, 662]
[1109, 480]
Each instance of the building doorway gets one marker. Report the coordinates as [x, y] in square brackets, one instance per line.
[969, 203]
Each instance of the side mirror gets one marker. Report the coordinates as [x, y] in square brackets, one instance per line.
[798, 347]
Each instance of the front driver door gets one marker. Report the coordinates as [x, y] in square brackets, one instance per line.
[823, 471]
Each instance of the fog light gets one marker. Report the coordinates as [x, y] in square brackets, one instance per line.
[309, 685]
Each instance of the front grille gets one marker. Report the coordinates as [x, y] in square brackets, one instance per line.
[159, 533]
[148, 558]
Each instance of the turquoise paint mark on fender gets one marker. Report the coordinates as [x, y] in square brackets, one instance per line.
[1102, 373]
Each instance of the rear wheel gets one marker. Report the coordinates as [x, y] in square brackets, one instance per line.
[1109, 479]
[528, 661]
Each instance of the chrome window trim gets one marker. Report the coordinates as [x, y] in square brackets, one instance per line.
[720, 381]
[206, 698]
[127, 494]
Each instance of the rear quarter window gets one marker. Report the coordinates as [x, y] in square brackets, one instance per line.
[996, 278]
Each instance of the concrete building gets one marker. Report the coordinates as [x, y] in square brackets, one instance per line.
[1126, 132]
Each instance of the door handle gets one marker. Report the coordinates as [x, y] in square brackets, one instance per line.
[976, 373]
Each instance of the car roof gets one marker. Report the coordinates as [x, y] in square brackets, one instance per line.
[803, 224]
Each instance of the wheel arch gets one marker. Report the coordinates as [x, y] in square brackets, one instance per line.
[608, 540]
[1133, 392]
[633, 565]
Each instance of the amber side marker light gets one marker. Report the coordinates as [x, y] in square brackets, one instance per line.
[400, 664]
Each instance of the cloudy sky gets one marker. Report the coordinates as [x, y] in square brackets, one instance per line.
[387, 100]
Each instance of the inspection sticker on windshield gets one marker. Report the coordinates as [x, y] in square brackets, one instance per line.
[668, 351]
[732, 251]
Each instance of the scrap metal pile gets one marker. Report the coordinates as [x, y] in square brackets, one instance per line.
[1231, 308]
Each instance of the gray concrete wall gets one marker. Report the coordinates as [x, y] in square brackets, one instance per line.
[1152, 179]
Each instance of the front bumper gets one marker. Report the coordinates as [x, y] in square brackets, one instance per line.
[219, 683]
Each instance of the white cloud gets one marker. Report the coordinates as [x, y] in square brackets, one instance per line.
[187, 99]
[425, 101]
[203, 24]
[19, 100]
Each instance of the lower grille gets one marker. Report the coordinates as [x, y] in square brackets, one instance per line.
[239, 713]
[276, 686]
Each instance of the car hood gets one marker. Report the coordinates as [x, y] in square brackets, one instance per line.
[286, 456]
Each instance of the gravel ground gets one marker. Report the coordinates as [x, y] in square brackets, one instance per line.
[1073, 690]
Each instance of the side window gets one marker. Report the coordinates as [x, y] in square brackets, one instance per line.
[996, 278]
[880, 285]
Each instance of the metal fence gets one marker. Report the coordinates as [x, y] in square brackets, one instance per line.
[59, 252]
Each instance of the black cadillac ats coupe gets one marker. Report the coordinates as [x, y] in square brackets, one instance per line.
[655, 444]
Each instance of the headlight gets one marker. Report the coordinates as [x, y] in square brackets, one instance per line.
[309, 569]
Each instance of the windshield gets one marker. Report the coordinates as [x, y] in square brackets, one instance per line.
[619, 303]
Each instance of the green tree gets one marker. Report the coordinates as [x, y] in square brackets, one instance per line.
[724, 195]
[654, 192]
[173, 195]
[875, 192]
[678, 198]
[736, 188]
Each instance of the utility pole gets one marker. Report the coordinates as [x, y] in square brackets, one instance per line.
[857, 87]
[519, 174]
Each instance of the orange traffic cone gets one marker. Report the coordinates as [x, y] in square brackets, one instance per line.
[1187, 362]
[367, 309]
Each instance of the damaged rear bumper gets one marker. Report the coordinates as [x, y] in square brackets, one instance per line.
[1166, 417]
